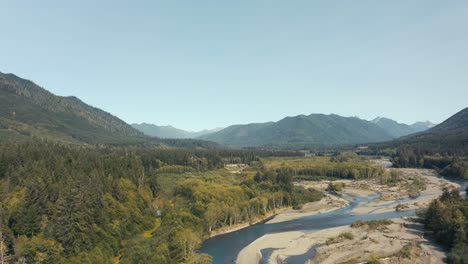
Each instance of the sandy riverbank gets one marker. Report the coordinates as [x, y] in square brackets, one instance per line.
[327, 204]
[399, 242]
[268, 217]
[391, 197]
[366, 244]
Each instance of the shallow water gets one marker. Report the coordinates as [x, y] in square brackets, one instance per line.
[225, 248]
[266, 253]
[304, 257]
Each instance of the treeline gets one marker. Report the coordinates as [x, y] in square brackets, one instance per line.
[200, 159]
[334, 167]
[447, 221]
[449, 165]
[77, 204]
[342, 171]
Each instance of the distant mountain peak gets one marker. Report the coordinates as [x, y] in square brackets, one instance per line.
[168, 131]
[426, 123]
[397, 129]
[377, 119]
[383, 119]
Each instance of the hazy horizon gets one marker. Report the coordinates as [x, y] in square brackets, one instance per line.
[209, 64]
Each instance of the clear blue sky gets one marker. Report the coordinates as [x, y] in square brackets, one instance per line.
[204, 64]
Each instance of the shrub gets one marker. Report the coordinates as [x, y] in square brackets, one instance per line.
[400, 207]
[347, 235]
[374, 224]
[336, 187]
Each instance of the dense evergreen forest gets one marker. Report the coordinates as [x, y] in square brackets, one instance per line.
[447, 221]
[447, 164]
[81, 204]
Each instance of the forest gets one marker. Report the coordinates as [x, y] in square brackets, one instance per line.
[81, 204]
[446, 220]
[63, 203]
[446, 164]
[345, 165]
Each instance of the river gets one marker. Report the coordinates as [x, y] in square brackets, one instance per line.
[225, 248]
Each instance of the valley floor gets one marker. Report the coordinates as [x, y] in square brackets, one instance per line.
[398, 242]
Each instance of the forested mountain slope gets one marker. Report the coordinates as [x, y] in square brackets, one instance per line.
[301, 131]
[28, 111]
[443, 148]
[451, 136]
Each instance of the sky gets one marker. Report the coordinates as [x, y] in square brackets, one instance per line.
[206, 64]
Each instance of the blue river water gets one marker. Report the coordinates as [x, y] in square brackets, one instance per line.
[225, 248]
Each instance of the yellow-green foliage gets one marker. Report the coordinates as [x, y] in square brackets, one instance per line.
[157, 224]
[336, 187]
[409, 250]
[70, 204]
[14, 200]
[340, 238]
[206, 192]
[175, 169]
[374, 260]
[167, 182]
[321, 166]
[446, 219]
[373, 224]
[347, 235]
[37, 249]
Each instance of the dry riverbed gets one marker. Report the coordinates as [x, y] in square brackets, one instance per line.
[392, 196]
[398, 242]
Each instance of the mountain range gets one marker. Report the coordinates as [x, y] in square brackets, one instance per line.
[29, 111]
[170, 131]
[392, 128]
[313, 130]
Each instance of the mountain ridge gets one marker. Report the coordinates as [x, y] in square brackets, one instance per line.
[29, 106]
[397, 129]
[170, 131]
[450, 136]
[301, 130]
[29, 111]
